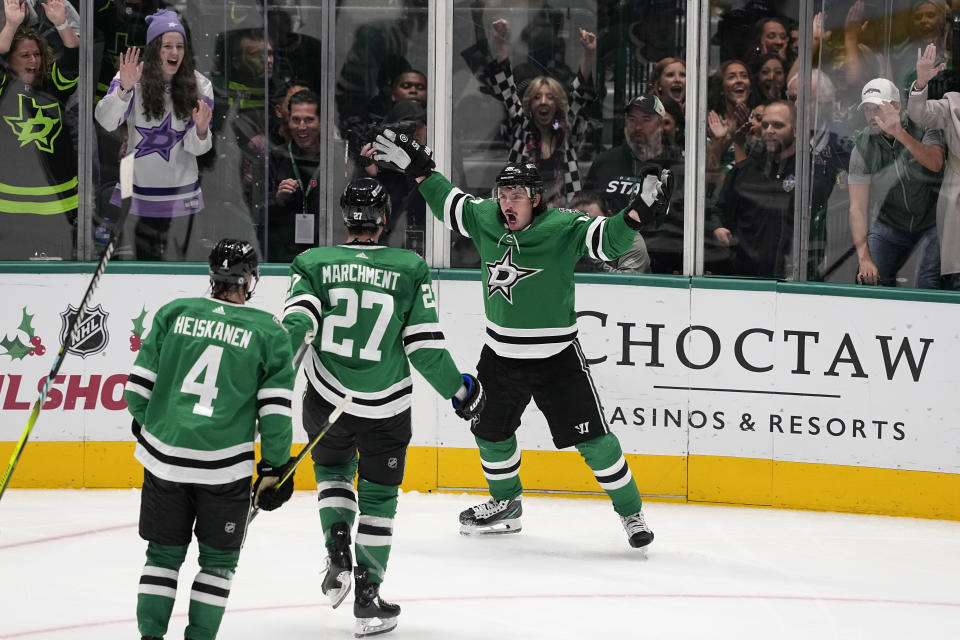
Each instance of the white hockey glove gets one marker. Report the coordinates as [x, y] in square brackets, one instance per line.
[652, 203]
[407, 154]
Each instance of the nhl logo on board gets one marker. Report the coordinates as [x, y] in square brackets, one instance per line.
[90, 335]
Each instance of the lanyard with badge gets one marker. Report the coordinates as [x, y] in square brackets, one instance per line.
[304, 226]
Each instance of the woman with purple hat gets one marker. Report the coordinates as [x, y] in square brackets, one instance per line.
[167, 106]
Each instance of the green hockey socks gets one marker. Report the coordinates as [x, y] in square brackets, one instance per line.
[211, 588]
[605, 457]
[501, 466]
[208, 596]
[337, 501]
[376, 505]
[158, 588]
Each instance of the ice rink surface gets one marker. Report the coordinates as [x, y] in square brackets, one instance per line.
[70, 562]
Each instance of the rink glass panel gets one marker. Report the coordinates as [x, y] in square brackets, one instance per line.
[235, 175]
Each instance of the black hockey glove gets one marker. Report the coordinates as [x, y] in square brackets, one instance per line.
[266, 495]
[410, 156]
[472, 404]
[652, 203]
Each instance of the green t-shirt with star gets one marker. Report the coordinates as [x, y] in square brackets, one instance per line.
[527, 274]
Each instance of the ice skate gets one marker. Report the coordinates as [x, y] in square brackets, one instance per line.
[374, 616]
[336, 580]
[491, 517]
[638, 533]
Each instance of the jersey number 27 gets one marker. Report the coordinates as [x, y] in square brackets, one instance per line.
[353, 300]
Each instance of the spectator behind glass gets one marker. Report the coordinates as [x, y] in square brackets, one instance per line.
[244, 62]
[754, 211]
[401, 82]
[380, 51]
[669, 80]
[830, 147]
[840, 53]
[771, 36]
[297, 55]
[674, 123]
[633, 260]
[942, 114]
[770, 75]
[279, 131]
[294, 217]
[38, 175]
[894, 174]
[167, 106]
[543, 127]
[617, 174]
[930, 24]
[405, 226]
[730, 101]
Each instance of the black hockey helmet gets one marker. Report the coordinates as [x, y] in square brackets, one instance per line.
[365, 204]
[522, 174]
[234, 263]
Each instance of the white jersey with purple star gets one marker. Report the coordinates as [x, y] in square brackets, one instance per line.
[166, 183]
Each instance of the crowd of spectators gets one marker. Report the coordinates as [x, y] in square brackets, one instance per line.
[882, 141]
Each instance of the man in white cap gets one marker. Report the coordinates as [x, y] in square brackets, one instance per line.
[894, 175]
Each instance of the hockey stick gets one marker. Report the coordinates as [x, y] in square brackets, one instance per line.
[126, 190]
[334, 415]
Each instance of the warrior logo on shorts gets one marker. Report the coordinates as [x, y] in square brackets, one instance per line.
[503, 275]
[90, 335]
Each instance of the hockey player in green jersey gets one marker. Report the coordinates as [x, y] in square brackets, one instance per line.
[211, 373]
[531, 348]
[372, 312]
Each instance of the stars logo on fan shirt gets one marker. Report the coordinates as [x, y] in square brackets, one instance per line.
[37, 124]
[160, 139]
[504, 274]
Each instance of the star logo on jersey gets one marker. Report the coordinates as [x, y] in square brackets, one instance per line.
[504, 274]
[37, 124]
[160, 139]
[120, 44]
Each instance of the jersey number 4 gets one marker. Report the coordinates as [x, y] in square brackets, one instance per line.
[352, 301]
[201, 380]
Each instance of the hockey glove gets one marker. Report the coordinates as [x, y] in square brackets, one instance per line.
[652, 203]
[266, 495]
[410, 156]
[470, 406]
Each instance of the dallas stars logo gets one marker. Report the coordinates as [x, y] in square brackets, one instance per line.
[37, 124]
[503, 275]
[160, 139]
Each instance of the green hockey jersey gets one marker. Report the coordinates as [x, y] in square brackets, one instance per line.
[369, 309]
[527, 274]
[207, 373]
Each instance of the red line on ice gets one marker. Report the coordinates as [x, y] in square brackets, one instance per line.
[593, 596]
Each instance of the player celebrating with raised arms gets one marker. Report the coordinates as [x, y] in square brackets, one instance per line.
[210, 375]
[531, 348]
[373, 313]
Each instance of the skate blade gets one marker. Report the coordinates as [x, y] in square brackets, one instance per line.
[336, 596]
[499, 528]
[373, 626]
